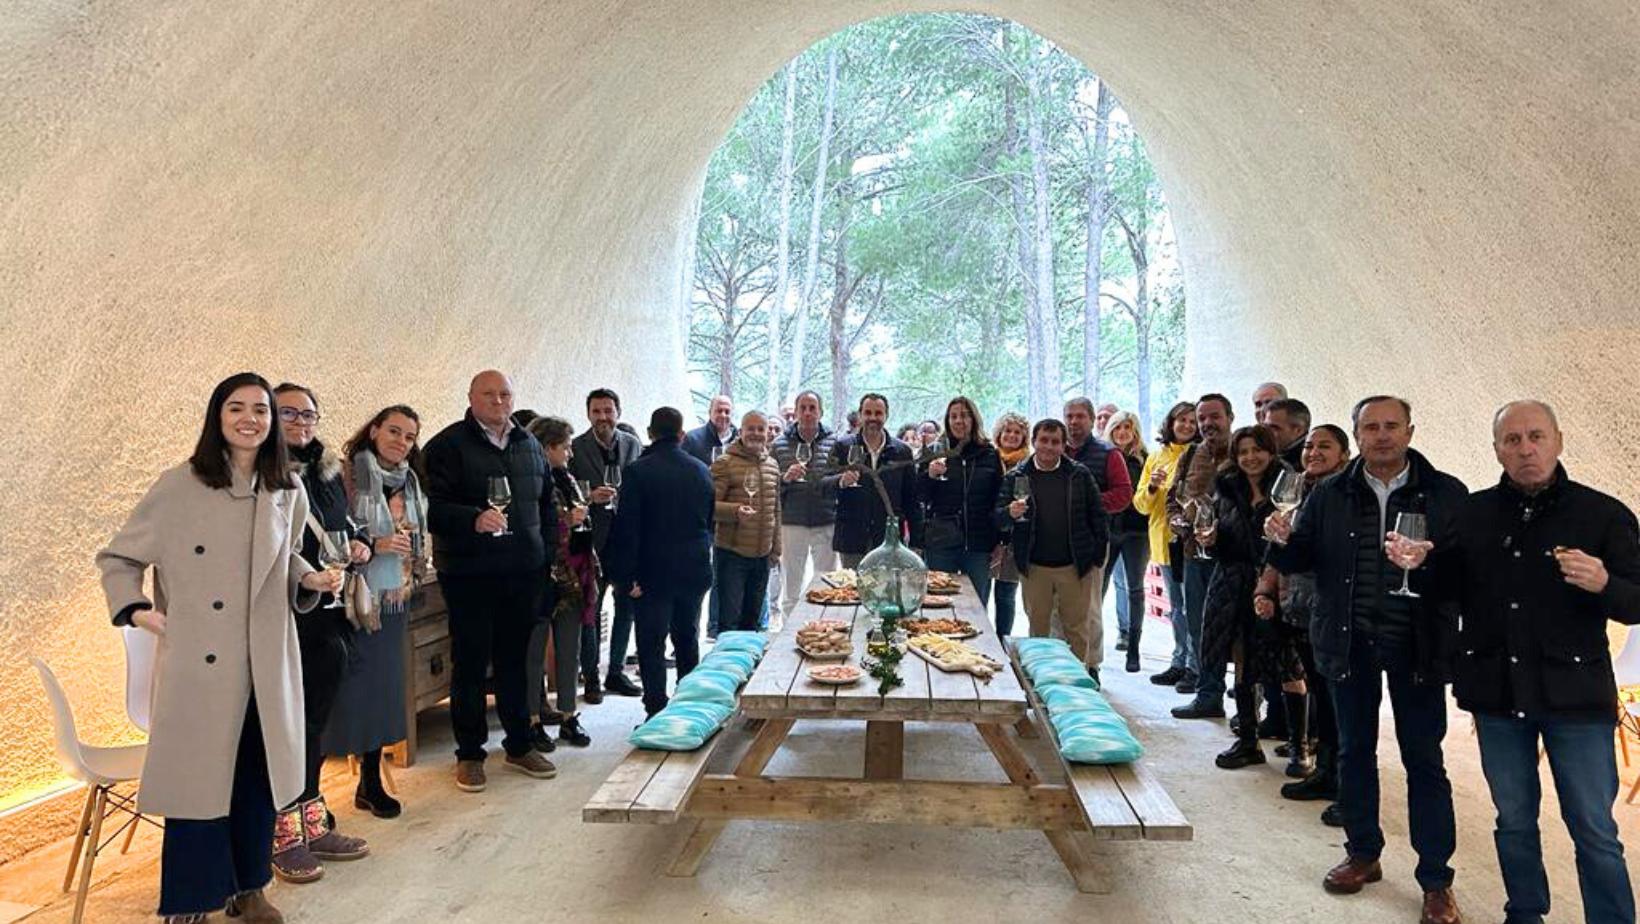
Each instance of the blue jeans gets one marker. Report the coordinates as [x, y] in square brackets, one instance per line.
[1125, 566]
[1007, 597]
[1184, 657]
[1198, 573]
[1420, 724]
[976, 565]
[661, 614]
[741, 586]
[1585, 774]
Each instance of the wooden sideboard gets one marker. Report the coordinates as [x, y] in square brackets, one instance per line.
[426, 661]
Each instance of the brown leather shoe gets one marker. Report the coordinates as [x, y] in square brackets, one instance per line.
[253, 908]
[470, 775]
[531, 763]
[1351, 876]
[1441, 907]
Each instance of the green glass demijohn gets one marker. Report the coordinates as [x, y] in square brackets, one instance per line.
[892, 578]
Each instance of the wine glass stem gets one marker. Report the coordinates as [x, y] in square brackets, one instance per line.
[1406, 576]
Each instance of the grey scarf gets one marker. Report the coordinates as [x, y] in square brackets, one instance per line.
[385, 572]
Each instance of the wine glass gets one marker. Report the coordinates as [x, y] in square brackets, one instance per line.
[805, 454]
[1411, 527]
[857, 459]
[753, 483]
[500, 496]
[334, 556]
[1206, 520]
[612, 479]
[717, 453]
[1022, 490]
[1287, 493]
[583, 490]
[936, 450]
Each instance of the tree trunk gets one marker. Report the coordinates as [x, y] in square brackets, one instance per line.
[817, 201]
[1098, 195]
[837, 334]
[1045, 399]
[1025, 255]
[782, 279]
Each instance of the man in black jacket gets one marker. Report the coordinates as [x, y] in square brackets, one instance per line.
[660, 547]
[1059, 537]
[492, 567]
[860, 514]
[1541, 563]
[1363, 629]
[807, 509]
[604, 450]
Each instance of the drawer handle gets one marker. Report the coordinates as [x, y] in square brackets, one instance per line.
[436, 665]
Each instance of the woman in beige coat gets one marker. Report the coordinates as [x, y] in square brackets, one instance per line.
[746, 485]
[221, 534]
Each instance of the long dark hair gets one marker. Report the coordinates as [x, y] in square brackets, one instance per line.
[1263, 437]
[210, 459]
[1166, 437]
[976, 426]
[361, 440]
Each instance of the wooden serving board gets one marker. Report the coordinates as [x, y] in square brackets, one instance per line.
[936, 662]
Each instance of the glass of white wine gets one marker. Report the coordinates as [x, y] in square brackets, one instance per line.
[856, 459]
[583, 490]
[1207, 519]
[334, 556]
[1412, 528]
[500, 496]
[752, 484]
[1287, 493]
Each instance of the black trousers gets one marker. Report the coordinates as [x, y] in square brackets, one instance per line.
[205, 862]
[662, 615]
[321, 635]
[491, 617]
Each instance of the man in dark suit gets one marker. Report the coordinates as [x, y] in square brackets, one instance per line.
[708, 440]
[605, 446]
[660, 547]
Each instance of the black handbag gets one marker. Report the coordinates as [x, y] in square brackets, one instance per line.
[943, 532]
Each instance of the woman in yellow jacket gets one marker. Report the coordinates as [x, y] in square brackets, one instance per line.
[1150, 498]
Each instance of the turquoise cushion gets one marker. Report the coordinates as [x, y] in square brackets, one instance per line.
[705, 685]
[1099, 744]
[1060, 697]
[680, 726]
[1029, 649]
[1049, 659]
[738, 640]
[739, 663]
[1087, 718]
[1069, 672]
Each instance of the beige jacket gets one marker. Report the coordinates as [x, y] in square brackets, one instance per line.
[226, 569]
[758, 537]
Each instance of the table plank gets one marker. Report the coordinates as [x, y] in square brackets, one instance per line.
[663, 797]
[1003, 695]
[771, 681]
[1161, 817]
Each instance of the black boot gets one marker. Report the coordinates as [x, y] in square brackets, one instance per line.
[619, 684]
[1298, 735]
[1133, 645]
[1322, 785]
[592, 691]
[370, 796]
[1245, 752]
[1274, 725]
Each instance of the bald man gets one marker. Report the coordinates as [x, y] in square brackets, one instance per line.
[1542, 563]
[1265, 395]
[492, 554]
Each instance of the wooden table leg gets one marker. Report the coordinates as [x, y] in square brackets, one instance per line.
[1071, 849]
[703, 833]
[885, 750]
[1026, 728]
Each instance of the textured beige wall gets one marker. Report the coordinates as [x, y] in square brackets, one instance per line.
[1421, 195]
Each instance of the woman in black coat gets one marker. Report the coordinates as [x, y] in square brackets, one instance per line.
[1231, 630]
[960, 484]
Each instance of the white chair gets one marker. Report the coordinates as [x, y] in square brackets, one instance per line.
[1626, 668]
[101, 769]
[141, 648]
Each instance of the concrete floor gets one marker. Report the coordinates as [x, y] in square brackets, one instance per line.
[520, 850]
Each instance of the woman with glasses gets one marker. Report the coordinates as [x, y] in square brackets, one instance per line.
[304, 836]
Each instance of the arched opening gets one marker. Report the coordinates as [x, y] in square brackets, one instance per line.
[935, 204]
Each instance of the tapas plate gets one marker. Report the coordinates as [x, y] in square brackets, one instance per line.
[837, 675]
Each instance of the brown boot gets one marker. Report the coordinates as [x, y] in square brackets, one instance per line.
[254, 908]
[1351, 876]
[323, 840]
[1441, 907]
[292, 861]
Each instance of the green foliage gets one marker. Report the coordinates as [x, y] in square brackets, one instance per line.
[918, 210]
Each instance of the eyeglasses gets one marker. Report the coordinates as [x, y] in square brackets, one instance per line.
[291, 415]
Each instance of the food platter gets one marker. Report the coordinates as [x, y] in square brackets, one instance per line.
[842, 577]
[946, 626]
[833, 596]
[837, 675]
[953, 656]
[937, 602]
[943, 582]
[825, 640]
